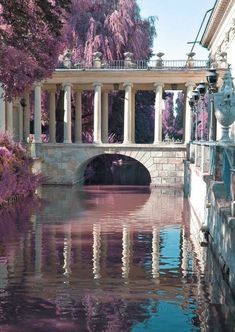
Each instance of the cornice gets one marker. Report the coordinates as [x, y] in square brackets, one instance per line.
[218, 15]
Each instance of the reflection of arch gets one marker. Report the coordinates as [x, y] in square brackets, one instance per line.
[65, 203]
[116, 168]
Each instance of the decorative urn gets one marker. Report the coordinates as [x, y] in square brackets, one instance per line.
[224, 102]
[160, 62]
[97, 59]
[67, 59]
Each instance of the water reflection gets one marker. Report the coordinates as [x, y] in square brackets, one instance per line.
[108, 258]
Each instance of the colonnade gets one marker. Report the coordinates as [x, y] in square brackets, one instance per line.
[101, 95]
[7, 111]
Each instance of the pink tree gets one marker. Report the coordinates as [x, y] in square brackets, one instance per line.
[168, 116]
[16, 177]
[25, 28]
[203, 117]
[111, 27]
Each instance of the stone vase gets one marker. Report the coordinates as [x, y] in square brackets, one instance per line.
[224, 102]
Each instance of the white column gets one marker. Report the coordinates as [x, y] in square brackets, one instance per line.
[26, 129]
[2, 111]
[218, 130]
[67, 113]
[158, 113]
[188, 113]
[37, 113]
[127, 114]
[105, 117]
[21, 120]
[52, 119]
[9, 116]
[133, 116]
[78, 116]
[97, 113]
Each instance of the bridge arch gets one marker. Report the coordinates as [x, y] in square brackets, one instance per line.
[112, 168]
[66, 163]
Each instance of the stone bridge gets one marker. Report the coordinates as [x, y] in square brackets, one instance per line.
[66, 163]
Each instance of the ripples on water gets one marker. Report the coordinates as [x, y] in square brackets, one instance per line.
[107, 259]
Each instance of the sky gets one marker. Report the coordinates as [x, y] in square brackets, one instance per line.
[178, 22]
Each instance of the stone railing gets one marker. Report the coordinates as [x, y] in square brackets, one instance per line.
[130, 63]
[218, 162]
[210, 186]
[137, 65]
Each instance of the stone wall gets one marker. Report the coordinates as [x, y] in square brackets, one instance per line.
[65, 163]
[210, 211]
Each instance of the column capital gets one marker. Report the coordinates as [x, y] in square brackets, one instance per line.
[127, 84]
[190, 84]
[66, 84]
[38, 84]
[158, 84]
[95, 84]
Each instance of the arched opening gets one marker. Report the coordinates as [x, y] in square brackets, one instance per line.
[115, 169]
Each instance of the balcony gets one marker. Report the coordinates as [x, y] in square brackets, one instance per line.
[153, 65]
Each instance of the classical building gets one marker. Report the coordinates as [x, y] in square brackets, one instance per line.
[219, 38]
[102, 79]
[219, 35]
[65, 162]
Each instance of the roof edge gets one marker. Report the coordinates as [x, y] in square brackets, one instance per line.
[214, 20]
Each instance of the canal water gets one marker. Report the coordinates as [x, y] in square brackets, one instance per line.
[108, 259]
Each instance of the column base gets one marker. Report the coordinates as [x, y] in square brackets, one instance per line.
[157, 142]
[128, 142]
[36, 141]
[67, 142]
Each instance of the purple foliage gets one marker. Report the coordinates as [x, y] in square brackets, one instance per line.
[203, 112]
[14, 218]
[111, 27]
[173, 116]
[16, 176]
[168, 116]
[87, 136]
